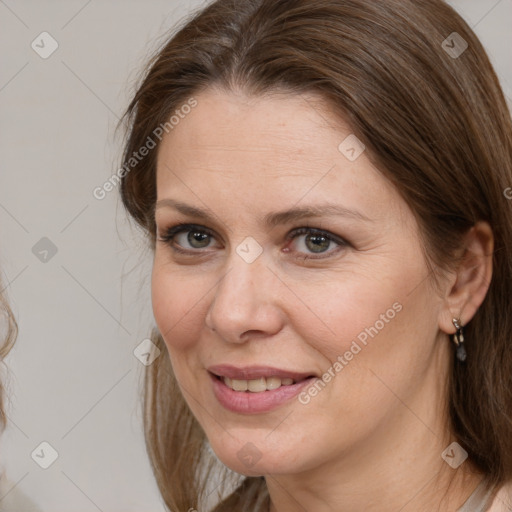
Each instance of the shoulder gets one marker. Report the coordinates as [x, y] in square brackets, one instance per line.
[12, 499]
[502, 501]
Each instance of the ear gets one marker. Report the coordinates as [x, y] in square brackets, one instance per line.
[469, 286]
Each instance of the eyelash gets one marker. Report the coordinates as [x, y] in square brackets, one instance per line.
[170, 233]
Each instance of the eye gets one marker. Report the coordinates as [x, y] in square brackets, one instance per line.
[196, 236]
[315, 241]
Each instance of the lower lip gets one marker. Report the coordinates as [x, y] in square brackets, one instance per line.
[246, 402]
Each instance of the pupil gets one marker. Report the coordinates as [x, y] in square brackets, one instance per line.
[317, 238]
[197, 236]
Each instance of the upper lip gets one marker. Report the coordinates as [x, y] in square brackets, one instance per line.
[256, 372]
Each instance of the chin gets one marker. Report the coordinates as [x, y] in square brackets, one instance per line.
[253, 457]
[254, 467]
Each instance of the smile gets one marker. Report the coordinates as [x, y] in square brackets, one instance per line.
[256, 389]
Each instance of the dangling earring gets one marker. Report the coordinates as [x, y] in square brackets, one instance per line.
[458, 338]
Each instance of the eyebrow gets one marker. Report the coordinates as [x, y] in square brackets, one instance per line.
[275, 218]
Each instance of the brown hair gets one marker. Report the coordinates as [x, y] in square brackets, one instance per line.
[9, 333]
[436, 124]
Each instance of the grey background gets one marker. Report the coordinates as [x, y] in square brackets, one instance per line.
[73, 379]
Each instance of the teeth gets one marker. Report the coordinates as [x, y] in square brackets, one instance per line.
[273, 383]
[257, 385]
[239, 385]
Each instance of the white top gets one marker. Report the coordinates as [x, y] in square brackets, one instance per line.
[490, 500]
[503, 500]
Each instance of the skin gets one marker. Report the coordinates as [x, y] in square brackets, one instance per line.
[372, 438]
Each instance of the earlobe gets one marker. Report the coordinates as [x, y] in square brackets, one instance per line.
[473, 277]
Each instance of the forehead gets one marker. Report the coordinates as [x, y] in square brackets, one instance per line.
[280, 124]
[279, 148]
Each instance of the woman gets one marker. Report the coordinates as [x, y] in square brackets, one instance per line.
[11, 498]
[322, 183]
[9, 333]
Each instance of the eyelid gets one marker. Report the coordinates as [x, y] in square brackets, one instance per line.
[169, 233]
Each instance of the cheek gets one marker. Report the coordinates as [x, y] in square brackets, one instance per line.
[176, 302]
[383, 340]
[347, 308]
[378, 322]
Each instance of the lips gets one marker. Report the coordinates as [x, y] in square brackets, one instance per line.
[256, 389]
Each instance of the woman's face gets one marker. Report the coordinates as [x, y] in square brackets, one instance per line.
[344, 309]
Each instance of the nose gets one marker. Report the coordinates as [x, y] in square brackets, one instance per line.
[246, 302]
